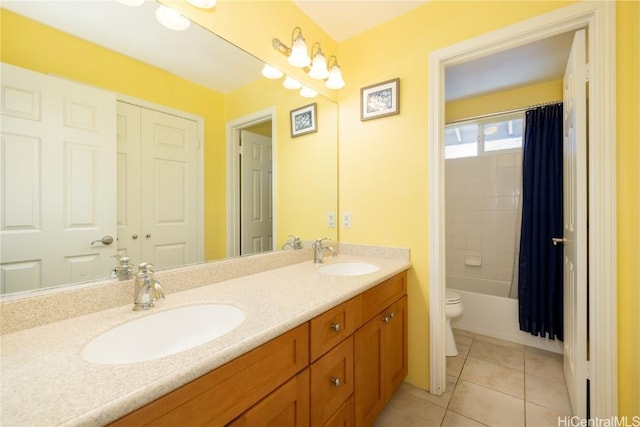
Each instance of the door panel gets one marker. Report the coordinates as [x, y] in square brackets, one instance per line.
[256, 230]
[575, 226]
[58, 157]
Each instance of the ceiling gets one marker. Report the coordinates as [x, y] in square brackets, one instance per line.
[198, 55]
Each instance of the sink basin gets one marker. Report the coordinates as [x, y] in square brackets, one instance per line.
[162, 334]
[348, 268]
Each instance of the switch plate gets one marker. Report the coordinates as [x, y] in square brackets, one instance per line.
[346, 219]
[331, 219]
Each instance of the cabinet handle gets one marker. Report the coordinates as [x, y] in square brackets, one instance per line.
[147, 235]
[134, 237]
[335, 327]
[335, 381]
[392, 315]
[386, 319]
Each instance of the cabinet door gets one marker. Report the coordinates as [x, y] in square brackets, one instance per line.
[369, 385]
[344, 417]
[287, 406]
[331, 382]
[395, 366]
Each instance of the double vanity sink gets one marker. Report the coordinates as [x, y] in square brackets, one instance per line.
[96, 368]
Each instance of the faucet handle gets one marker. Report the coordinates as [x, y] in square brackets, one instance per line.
[320, 240]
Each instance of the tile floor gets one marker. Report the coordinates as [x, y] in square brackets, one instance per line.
[490, 383]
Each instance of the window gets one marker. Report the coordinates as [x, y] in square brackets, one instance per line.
[479, 137]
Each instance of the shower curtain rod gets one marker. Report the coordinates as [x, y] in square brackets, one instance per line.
[502, 113]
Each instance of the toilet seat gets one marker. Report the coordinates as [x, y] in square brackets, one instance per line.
[453, 297]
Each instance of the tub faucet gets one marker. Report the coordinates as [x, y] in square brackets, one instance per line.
[147, 289]
[319, 250]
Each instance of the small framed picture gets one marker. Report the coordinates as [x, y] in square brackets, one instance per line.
[304, 120]
[380, 100]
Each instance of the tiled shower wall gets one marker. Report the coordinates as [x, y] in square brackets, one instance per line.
[482, 196]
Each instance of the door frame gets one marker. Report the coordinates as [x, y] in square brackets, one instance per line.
[233, 129]
[200, 153]
[599, 19]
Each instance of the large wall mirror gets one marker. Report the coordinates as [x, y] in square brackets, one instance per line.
[172, 85]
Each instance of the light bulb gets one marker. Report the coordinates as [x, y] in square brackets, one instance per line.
[290, 83]
[335, 80]
[308, 92]
[299, 56]
[172, 19]
[271, 72]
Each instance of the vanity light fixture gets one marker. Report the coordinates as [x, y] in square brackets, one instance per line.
[291, 83]
[319, 69]
[203, 4]
[172, 19]
[308, 92]
[335, 80]
[271, 72]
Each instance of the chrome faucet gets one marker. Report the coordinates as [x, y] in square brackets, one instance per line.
[124, 269]
[292, 242]
[319, 250]
[147, 289]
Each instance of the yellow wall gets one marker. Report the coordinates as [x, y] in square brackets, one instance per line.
[628, 127]
[307, 175]
[497, 102]
[31, 45]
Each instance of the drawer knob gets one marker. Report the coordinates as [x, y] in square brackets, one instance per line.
[392, 315]
[335, 327]
[335, 381]
[386, 319]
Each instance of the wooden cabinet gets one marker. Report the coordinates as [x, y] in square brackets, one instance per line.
[287, 406]
[338, 369]
[380, 349]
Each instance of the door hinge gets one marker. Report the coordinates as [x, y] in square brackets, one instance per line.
[587, 72]
[240, 150]
[587, 370]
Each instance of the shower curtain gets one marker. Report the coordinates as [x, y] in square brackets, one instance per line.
[540, 271]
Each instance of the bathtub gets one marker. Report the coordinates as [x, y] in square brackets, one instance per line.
[494, 315]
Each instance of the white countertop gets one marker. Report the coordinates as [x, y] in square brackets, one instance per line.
[45, 382]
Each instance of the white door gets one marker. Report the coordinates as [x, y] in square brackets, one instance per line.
[169, 189]
[256, 204]
[575, 226]
[57, 162]
[128, 181]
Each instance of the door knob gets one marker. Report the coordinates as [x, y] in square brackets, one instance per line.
[106, 240]
[558, 241]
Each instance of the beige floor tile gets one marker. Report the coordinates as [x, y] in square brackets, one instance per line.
[455, 364]
[500, 355]
[499, 341]
[451, 419]
[499, 378]
[487, 406]
[405, 409]
[538, 416]
[543, 363]
[463, 344]
[550, 393]
[442, 400]
[463, 332]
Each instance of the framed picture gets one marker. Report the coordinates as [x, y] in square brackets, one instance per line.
[379, 100]
[304, 120]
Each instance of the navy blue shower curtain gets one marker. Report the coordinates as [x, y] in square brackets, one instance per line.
[540, 285]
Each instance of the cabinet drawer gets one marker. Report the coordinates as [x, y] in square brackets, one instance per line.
[345, 417]
[287, 406]
[331, 327]
[331, 382]
[223, 394]
[376, 299]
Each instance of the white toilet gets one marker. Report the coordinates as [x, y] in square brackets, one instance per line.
[453, 309]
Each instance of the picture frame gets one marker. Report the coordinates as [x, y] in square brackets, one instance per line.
[380, 100]
[304, 120]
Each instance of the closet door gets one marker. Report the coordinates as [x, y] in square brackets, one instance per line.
[168, 189]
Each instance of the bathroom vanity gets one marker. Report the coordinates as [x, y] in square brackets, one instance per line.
[314, 349]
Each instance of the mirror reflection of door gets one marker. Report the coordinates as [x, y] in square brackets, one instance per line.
[157, 187]
[56, 163]
[256, 191]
